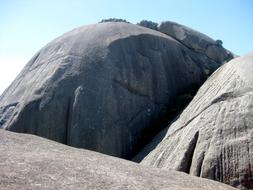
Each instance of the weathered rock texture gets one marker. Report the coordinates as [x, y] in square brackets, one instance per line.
[30, 162]
[103, 87]
[212, 138]
[195, 40]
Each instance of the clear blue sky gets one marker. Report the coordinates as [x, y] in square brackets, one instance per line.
[27, 25]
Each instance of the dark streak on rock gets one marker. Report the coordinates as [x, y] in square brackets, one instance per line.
[68, 120]
[200, 164]
[188, 155]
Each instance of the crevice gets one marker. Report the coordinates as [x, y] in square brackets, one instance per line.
[153, 135]
[186, 162]
[68, 121]
[34, 59]
[231, 95]
[247, 180]
[200, 164]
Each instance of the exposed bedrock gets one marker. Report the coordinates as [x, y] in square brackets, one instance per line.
[104, 87]
[31, 162]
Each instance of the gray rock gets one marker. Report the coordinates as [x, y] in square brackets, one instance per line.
[212, 138]
[195, 40]
[103, 87]
[30, 162]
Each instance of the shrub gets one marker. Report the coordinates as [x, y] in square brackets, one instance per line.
[148, 24]
[113, 20]
[218, 43]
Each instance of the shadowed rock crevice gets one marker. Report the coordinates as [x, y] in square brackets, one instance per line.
[68, 120]
[227, 96]
[158, 130]
[186, 161]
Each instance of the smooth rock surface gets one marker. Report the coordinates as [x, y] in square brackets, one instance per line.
[195, 40]
[212, 138]
[103, 87]
[30, 162]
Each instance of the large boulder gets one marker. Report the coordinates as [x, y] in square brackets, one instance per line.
[103, 87]
[196, 40]
[30, 162]
[212, 138]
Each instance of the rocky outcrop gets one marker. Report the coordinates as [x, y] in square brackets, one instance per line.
[212, 138]
[30, 162]
[195, 40]
[103, 87]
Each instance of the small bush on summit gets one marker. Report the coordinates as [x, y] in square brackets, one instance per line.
[148, 24]
[113, 20]
[219, 43]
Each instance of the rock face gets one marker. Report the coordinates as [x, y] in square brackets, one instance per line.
[212, 138]
[30, 162]
[103, 87]
[195, 40]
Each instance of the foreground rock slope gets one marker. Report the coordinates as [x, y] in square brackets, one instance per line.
[30, 162]
[212, 138]
[104, 87]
